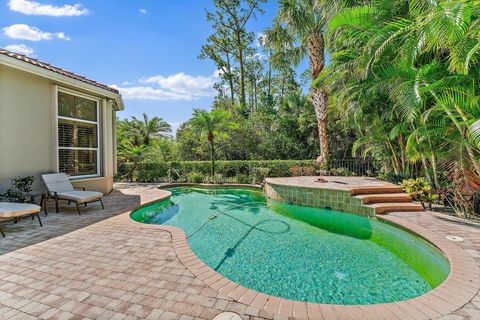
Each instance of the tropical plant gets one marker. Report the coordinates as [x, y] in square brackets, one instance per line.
[420, 190]
[22, 186]
[145, 129]
[127, 152]
[415, 109]
[297, 33]
[212, 124]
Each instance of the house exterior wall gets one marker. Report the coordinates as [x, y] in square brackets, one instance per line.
[28, 143]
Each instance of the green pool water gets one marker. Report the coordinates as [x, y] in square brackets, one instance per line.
[300, 253]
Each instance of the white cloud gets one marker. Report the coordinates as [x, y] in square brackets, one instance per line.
[20, 48]
[260, 39]
[144, 11]
[26, 32]
[196, 86]
[179, 86]
[149, 93]
[61, 35]
[39, 9]
[260, 56]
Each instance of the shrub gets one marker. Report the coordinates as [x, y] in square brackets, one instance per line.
[309, 171]
[195, 177]
[259, 174]
[295, 171]
[228, 169]
[393, 177]
[243, 179]
[22, 186]
[341, 172]
[420, 190]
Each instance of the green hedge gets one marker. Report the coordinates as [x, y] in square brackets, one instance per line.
[228, 170]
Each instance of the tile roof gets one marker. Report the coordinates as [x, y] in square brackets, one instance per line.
[57, 70]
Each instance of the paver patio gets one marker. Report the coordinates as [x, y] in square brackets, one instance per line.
[102, 265]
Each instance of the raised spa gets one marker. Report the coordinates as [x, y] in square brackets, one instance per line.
[300, 253]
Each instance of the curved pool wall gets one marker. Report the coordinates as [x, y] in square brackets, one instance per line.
[420, 255]
[424, 259]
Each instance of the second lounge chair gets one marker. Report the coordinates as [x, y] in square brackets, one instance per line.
[59, 187]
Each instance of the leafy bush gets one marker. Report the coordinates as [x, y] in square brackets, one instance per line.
[22, 186]
[295, 171]
[420, 190]
[392, 177]
[243, 179]
[309, 171]
[259, 174]
[165, 171]
[256, 170]
[341, 172]
[195, 177]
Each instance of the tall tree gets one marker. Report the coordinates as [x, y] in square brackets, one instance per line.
[219, 49]
[212, 124]
[231, 36]
[298, 33]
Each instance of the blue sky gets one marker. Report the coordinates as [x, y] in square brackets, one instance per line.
[148, 49]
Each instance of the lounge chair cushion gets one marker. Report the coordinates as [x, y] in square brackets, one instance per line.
[80, 196]
[57, 182]
[11, 210]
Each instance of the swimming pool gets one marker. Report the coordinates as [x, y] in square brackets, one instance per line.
[300, 253]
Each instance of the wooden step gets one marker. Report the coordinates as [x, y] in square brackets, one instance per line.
[376, 190]
[384, 207]
[384, 197]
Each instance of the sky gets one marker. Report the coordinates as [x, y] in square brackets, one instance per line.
[146, 48]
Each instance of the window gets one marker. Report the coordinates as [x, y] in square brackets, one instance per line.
[78, 152]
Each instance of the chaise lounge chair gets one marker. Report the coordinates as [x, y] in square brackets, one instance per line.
[11, 210]
[59, 187]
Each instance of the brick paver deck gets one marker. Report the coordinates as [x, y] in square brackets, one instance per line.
[103, 265]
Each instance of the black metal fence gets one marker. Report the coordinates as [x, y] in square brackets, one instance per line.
[358, 167]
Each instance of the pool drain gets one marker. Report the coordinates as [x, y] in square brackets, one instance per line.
[227, 316]
[454, 238]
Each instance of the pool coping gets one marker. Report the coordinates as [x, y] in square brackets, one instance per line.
[460, 287]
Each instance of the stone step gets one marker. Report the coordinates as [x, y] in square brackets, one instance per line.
[384, 197]
[376, 190]
[384, 207]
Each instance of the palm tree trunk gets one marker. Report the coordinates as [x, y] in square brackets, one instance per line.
[212, 157]
[316, 48]
[435, 171]
[402, 152]
[425, 166]
[395, 162]
[319, 98]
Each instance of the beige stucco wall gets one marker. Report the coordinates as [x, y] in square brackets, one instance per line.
[27, 127]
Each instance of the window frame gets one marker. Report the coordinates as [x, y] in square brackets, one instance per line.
[98, 149]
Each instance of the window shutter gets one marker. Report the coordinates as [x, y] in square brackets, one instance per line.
[66, 135]
[77, 135]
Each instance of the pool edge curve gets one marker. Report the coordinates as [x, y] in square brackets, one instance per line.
[458, 289]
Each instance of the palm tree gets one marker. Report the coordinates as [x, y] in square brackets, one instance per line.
[433, 73]
[146, 129]
[297, 33]
[132, 154]
[213, 123]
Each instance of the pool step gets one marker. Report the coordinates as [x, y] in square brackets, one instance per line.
[384, 197]
[376, 190]
[385, 207]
